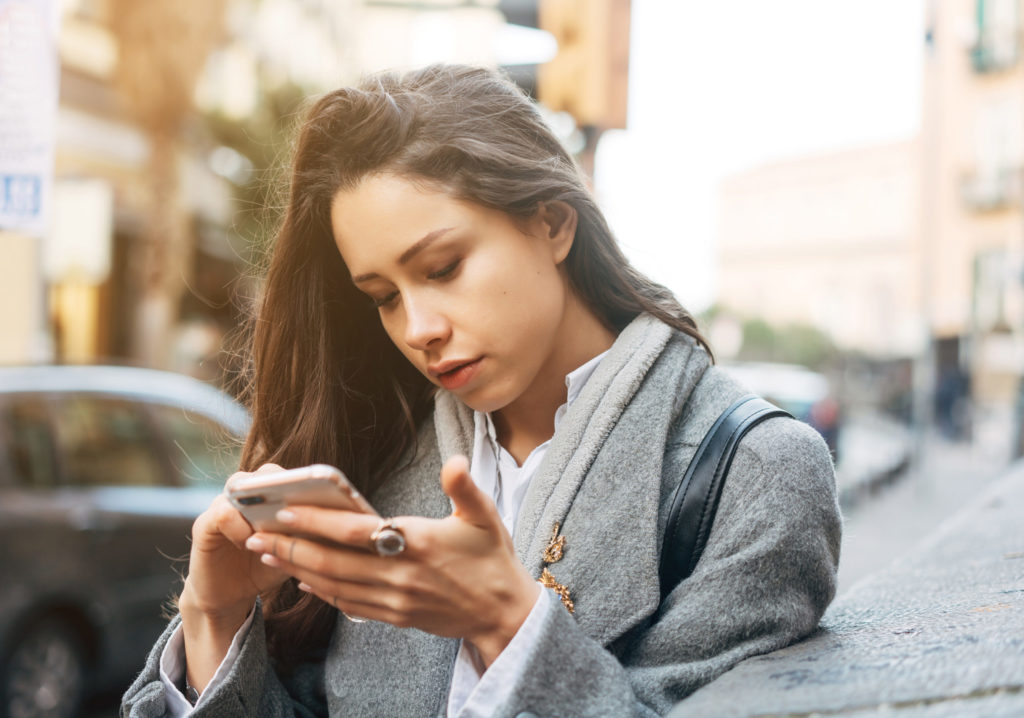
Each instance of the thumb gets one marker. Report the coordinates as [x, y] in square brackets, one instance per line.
[471, 505]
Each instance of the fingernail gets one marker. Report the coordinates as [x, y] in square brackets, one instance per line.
[305, 587]
[285, 516]
[254, 543]
[270, 559]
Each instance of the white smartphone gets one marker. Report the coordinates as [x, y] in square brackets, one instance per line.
[259, 497]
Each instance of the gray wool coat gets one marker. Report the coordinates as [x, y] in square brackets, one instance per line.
[765, 578]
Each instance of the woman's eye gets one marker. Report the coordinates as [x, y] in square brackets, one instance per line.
[441, 273]
[379, 302]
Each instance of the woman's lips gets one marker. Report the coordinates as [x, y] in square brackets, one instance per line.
[459, 376]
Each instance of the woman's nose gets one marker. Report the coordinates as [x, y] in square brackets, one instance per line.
[425, 326]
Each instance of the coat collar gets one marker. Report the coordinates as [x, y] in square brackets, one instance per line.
[610, 523]
[588, 422]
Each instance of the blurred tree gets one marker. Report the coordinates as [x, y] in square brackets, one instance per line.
[759, 341]
[163, 46]
[790, 344]
[263, 138]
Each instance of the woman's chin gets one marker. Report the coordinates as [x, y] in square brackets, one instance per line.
[484, 399]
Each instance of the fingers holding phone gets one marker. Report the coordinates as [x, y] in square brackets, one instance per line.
[457, 577]
[315, 507]
[223, 575]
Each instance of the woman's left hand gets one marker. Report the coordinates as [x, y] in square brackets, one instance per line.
[458, 577]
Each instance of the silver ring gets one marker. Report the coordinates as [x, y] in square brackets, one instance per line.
[388, 539]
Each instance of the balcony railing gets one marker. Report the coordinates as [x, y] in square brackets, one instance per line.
[995, 53]
[992, 190]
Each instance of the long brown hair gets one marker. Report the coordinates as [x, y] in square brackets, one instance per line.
[326, 384]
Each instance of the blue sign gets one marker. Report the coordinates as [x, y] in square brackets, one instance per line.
[21, 196]
[29, 71]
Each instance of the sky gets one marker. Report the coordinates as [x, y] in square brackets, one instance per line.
[724, 86]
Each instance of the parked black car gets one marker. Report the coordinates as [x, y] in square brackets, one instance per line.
[102, 472]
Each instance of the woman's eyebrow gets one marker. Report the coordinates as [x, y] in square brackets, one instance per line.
[422, 244]
[408, 254]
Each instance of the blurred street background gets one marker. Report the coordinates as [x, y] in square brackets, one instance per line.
[835, 189]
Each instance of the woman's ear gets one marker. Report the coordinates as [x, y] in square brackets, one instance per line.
[558, 221]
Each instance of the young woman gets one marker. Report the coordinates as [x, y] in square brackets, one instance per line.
[448, 319]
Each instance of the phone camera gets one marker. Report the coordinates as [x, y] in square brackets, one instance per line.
[251, 500]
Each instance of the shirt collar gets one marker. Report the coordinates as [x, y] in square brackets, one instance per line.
[574, 383]
[578, 378]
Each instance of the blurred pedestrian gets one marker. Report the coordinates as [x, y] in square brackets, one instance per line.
[952, 402]
[443, 286]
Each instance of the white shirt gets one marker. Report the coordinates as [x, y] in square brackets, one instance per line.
[474, 692]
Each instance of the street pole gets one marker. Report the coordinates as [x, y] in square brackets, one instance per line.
[924, 363]
[1017, 283]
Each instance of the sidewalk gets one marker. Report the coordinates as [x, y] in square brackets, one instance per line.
[938, 633]
[891, 520]
[874, 450]
[889, 505]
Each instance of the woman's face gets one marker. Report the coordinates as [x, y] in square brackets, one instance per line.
[473, 299]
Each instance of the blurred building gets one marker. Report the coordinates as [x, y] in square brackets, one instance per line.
[973, 138]
[907, 249]
[134, 266]
[28, 109]
[85, 264]
[828, 241]
[145, 251]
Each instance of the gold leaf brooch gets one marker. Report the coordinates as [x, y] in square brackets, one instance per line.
[552, 553]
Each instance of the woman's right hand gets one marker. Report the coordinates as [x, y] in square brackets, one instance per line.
[224, 579]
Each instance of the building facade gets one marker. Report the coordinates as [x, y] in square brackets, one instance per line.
[971, 180]
[828, 241]
[909, 249]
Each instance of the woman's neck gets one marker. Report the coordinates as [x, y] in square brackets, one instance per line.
[529, 421]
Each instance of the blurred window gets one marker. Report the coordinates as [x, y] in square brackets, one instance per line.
[998, 136]
[106, 442]
[202, 451]
[992, 278]
[997, 45]
[26, 432]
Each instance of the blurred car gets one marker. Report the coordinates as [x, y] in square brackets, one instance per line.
[803, 393]
[102, 472]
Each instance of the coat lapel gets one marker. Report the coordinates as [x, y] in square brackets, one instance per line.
[610, 520]
[600, 480]
[582, 433]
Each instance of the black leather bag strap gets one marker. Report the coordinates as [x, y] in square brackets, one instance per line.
[695, 500]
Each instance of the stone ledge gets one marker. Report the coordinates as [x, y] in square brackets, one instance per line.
[938, 633]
